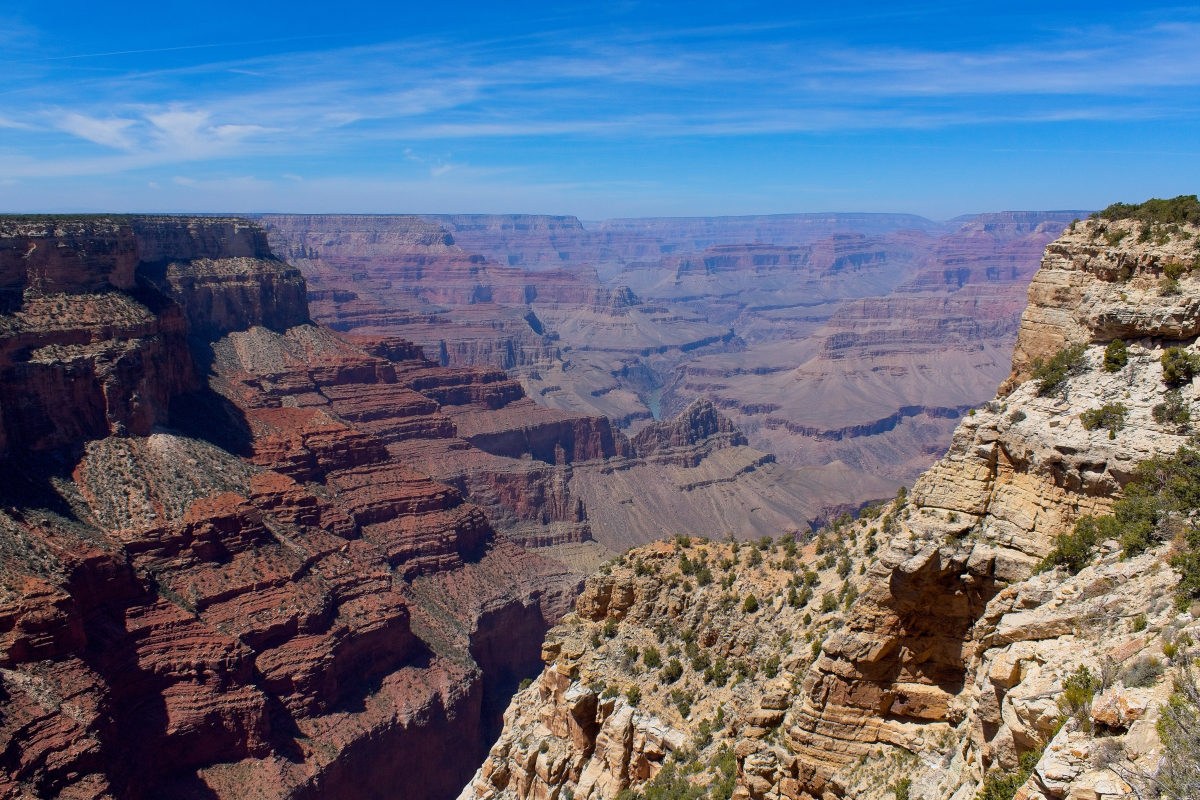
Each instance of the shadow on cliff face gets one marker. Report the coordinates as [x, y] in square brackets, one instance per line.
[207, 415]
[32, 481]
[507, 646]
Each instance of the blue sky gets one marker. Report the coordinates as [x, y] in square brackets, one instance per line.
[597, 110]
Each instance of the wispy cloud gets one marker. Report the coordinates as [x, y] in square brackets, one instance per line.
[703, 83]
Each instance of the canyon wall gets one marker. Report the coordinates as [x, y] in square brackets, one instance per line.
[217, 580]
[246, 554]
[923, 648]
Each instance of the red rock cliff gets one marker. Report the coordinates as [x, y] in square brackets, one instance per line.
[216, 579]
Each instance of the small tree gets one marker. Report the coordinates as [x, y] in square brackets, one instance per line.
[1116, 356]
[1172, 411]
[1051, 376]
[1179, 366]
[750, 604]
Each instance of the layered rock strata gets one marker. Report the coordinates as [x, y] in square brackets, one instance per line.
[217, 580]
[945, 654]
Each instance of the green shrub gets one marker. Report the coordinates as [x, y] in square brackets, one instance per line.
[672, 671]
[544, 747]
[1174, 270]
[725, 762]
[1172, 410]
[1187, 564]
[1143, 672]
[755, 558]
[610, 691]
[844, 567]
[1179, 729]
[683, 702]
[1116, 356]
[1076, 700]
[526, 683]
[1139, 623]
[851, 596]
[703, 576]
[718, 673]
[771, 666]
[1169, 287]
[901, 788]
[1110, 415]
[750, 604]
[651, 657]
[1017, 416]
[610, 628]
[1074, 550]
[828, 603]
[634, 695]
[1113, 238]
[1179, 366]
[1001, 785]
[1178, 210]
[1051, 376]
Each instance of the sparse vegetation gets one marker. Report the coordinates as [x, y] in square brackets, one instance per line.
[1178, 210]
[1110, 415]
[1113, 238]
[1172, 411]
[1179, 728]
[1051, 376]
[1179, 366]
[1116, 356]
[1143, 672]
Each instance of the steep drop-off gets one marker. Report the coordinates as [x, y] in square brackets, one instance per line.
[920, 650]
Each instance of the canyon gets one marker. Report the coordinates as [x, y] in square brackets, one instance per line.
[246, 554]
[339, 506]
[844, 344]
[944, 644]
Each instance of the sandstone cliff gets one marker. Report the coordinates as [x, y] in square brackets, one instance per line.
[938, 656]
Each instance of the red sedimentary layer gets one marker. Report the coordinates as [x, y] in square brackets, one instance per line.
[261, 600]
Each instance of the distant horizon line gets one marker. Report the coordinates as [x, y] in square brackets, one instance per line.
[581, 221]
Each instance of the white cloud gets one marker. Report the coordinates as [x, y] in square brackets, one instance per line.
[111, 132]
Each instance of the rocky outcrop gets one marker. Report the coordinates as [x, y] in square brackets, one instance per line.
[945, 655]
[1099, 282]
[699, 422]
